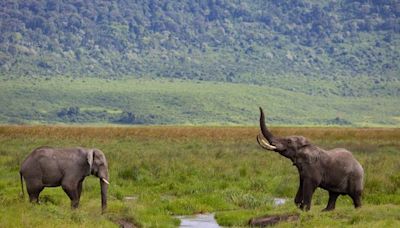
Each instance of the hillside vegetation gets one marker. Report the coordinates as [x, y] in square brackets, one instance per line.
[200, 62]
[139, 101]
[219, 40]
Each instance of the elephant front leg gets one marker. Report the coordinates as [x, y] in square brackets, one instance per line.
[309, 187]
[298, 200]
[79, 189]
[72, 191]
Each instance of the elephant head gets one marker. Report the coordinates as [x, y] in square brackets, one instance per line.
[99, 168]
[286, 146]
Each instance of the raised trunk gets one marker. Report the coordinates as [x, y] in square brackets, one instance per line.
[264, 130]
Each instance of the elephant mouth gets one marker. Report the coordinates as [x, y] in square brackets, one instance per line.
[264, 143]
[104, 180]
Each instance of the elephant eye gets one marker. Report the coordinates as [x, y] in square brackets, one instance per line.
[291, 142]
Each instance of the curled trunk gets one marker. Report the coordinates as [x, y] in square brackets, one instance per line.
[264, 130]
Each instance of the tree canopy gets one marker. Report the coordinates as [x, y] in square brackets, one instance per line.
[218, 40]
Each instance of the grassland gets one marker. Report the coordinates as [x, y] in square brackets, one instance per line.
[288, 101]
[167, 171]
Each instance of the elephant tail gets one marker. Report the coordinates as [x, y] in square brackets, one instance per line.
[22, 185]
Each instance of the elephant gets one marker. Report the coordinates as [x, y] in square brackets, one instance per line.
[68, 167]
[336, 170]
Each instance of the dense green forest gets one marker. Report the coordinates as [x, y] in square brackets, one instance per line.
[321, 51]
[233, 41]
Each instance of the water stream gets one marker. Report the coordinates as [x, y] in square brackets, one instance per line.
[199, 220]
[208, 220]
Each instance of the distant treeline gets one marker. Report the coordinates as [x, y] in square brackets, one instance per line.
[75, 115]
[222, 40]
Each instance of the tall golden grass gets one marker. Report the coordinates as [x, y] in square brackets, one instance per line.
[203, 132]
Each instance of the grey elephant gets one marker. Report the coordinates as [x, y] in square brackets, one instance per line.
[52, 167]
[336, 170]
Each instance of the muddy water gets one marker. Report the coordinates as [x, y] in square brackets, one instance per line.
[200, 220]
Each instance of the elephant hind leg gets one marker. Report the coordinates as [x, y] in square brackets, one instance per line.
[356, 197]
[34, 188]
[332, 201]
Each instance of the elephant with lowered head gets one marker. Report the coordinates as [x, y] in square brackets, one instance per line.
[52, 167]
[336, 170]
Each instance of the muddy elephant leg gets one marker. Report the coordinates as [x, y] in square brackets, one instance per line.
[332, 201]
[356, 197]
[308, 190]
[298, 200]
[71, 189]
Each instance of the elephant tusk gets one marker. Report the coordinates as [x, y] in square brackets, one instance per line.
[264, 143]
[105, 181]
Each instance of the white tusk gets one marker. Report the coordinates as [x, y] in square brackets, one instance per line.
[264, 143]
[105, 181]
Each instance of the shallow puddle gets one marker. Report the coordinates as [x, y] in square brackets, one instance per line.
[208, 220]
[200, 220]
[279, 201]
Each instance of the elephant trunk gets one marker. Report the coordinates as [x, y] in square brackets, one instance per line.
[266, 133]
[104, 187]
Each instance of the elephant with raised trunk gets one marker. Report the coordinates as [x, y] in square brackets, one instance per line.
[52, 167]
[336, 170]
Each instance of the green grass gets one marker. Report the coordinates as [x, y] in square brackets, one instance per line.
[186, 170]
[188, 102]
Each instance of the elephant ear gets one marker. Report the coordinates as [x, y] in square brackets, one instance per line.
[302, 142]
[90, 159]
[306, 157]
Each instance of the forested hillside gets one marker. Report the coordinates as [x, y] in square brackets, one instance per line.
[219, 40]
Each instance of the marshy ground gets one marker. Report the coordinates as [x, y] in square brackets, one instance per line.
[158, 173]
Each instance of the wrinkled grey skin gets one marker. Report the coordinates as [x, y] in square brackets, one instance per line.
[336, 171]
[52, 167]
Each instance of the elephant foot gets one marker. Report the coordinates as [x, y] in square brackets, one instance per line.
[328, 209]
[74, 205]
[298, 203]
[305, 207]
